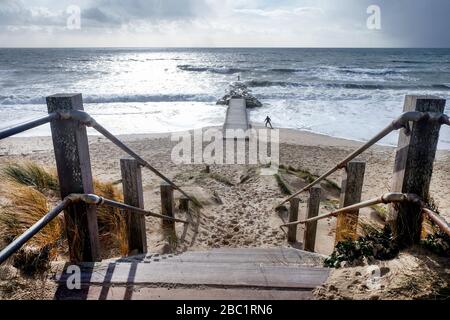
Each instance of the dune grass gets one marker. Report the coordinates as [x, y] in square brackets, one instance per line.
[31, 174]
[308, 177]
[26, 207]
[30, 191]
[285, 189]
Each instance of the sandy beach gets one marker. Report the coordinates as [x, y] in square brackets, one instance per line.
[237, 213]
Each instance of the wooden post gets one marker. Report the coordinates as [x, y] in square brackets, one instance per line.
[351, 189]
[167, 205]
[413, 167]
[312, 210]
[70, 144]
[134, 196]
[184, 204]
[293, 216]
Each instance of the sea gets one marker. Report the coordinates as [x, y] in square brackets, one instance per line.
[346, 93]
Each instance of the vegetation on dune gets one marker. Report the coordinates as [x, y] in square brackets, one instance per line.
[438, 243]
[31, 174]
[221, 178]
[382, 245]
[30, 192]
[308, 177]
[285, 189]
[377, 245]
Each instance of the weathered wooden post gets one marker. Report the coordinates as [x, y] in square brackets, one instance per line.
[70, 144]
[312, 210]
[351, 189]
[184, 204]
[134, 196]
[293, 216]
[167, 206]
[413, 167]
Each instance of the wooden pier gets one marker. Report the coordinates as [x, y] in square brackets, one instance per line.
[236, 118]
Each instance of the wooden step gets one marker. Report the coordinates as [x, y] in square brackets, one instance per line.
[283, 256]
[198, 273]
[282, 273]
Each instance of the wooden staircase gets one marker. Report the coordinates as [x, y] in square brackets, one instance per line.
[253, 273]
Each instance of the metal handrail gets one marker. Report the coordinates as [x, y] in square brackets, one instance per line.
[97, 200]
[400, 122]
[90, 199]
[391, 197]
[439, 221]
[28, 125]
[84, 118]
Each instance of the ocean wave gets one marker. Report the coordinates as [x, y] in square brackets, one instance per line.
[285, 70]
[373, 72]
[268, 83]
[365, 86]
[220, 70]
[18, 100]
[413, 61]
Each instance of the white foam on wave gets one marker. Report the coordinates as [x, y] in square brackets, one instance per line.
[131, 118]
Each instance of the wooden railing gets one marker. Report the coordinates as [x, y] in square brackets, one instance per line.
[417, 144]
[68, 124]
[415, 154]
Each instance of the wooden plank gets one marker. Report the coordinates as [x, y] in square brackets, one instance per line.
[312, 210]
[235, 274]
[351, 190]
[413, 167]
[133, 195]
[73, 164]
[236, 118]
[96, 292]
[282, 256]
[293, 216]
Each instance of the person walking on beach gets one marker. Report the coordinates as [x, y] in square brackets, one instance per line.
[268, 121]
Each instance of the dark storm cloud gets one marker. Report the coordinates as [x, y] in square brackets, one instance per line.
[419, 23]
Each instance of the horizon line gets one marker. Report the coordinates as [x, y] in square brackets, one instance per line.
[211, 47]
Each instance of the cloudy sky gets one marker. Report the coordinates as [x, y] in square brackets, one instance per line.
[223, 23]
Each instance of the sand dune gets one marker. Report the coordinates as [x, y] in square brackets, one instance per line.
[236, 213]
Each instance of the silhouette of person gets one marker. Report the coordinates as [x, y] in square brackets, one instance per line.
[239, 78]
[268, 121]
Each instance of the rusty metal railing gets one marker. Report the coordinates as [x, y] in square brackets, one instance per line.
[91, 199]
[439, 221]
[400, 122]
[85, 119]
[391, 197]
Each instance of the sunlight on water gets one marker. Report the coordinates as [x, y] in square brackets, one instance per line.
[350, 93]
